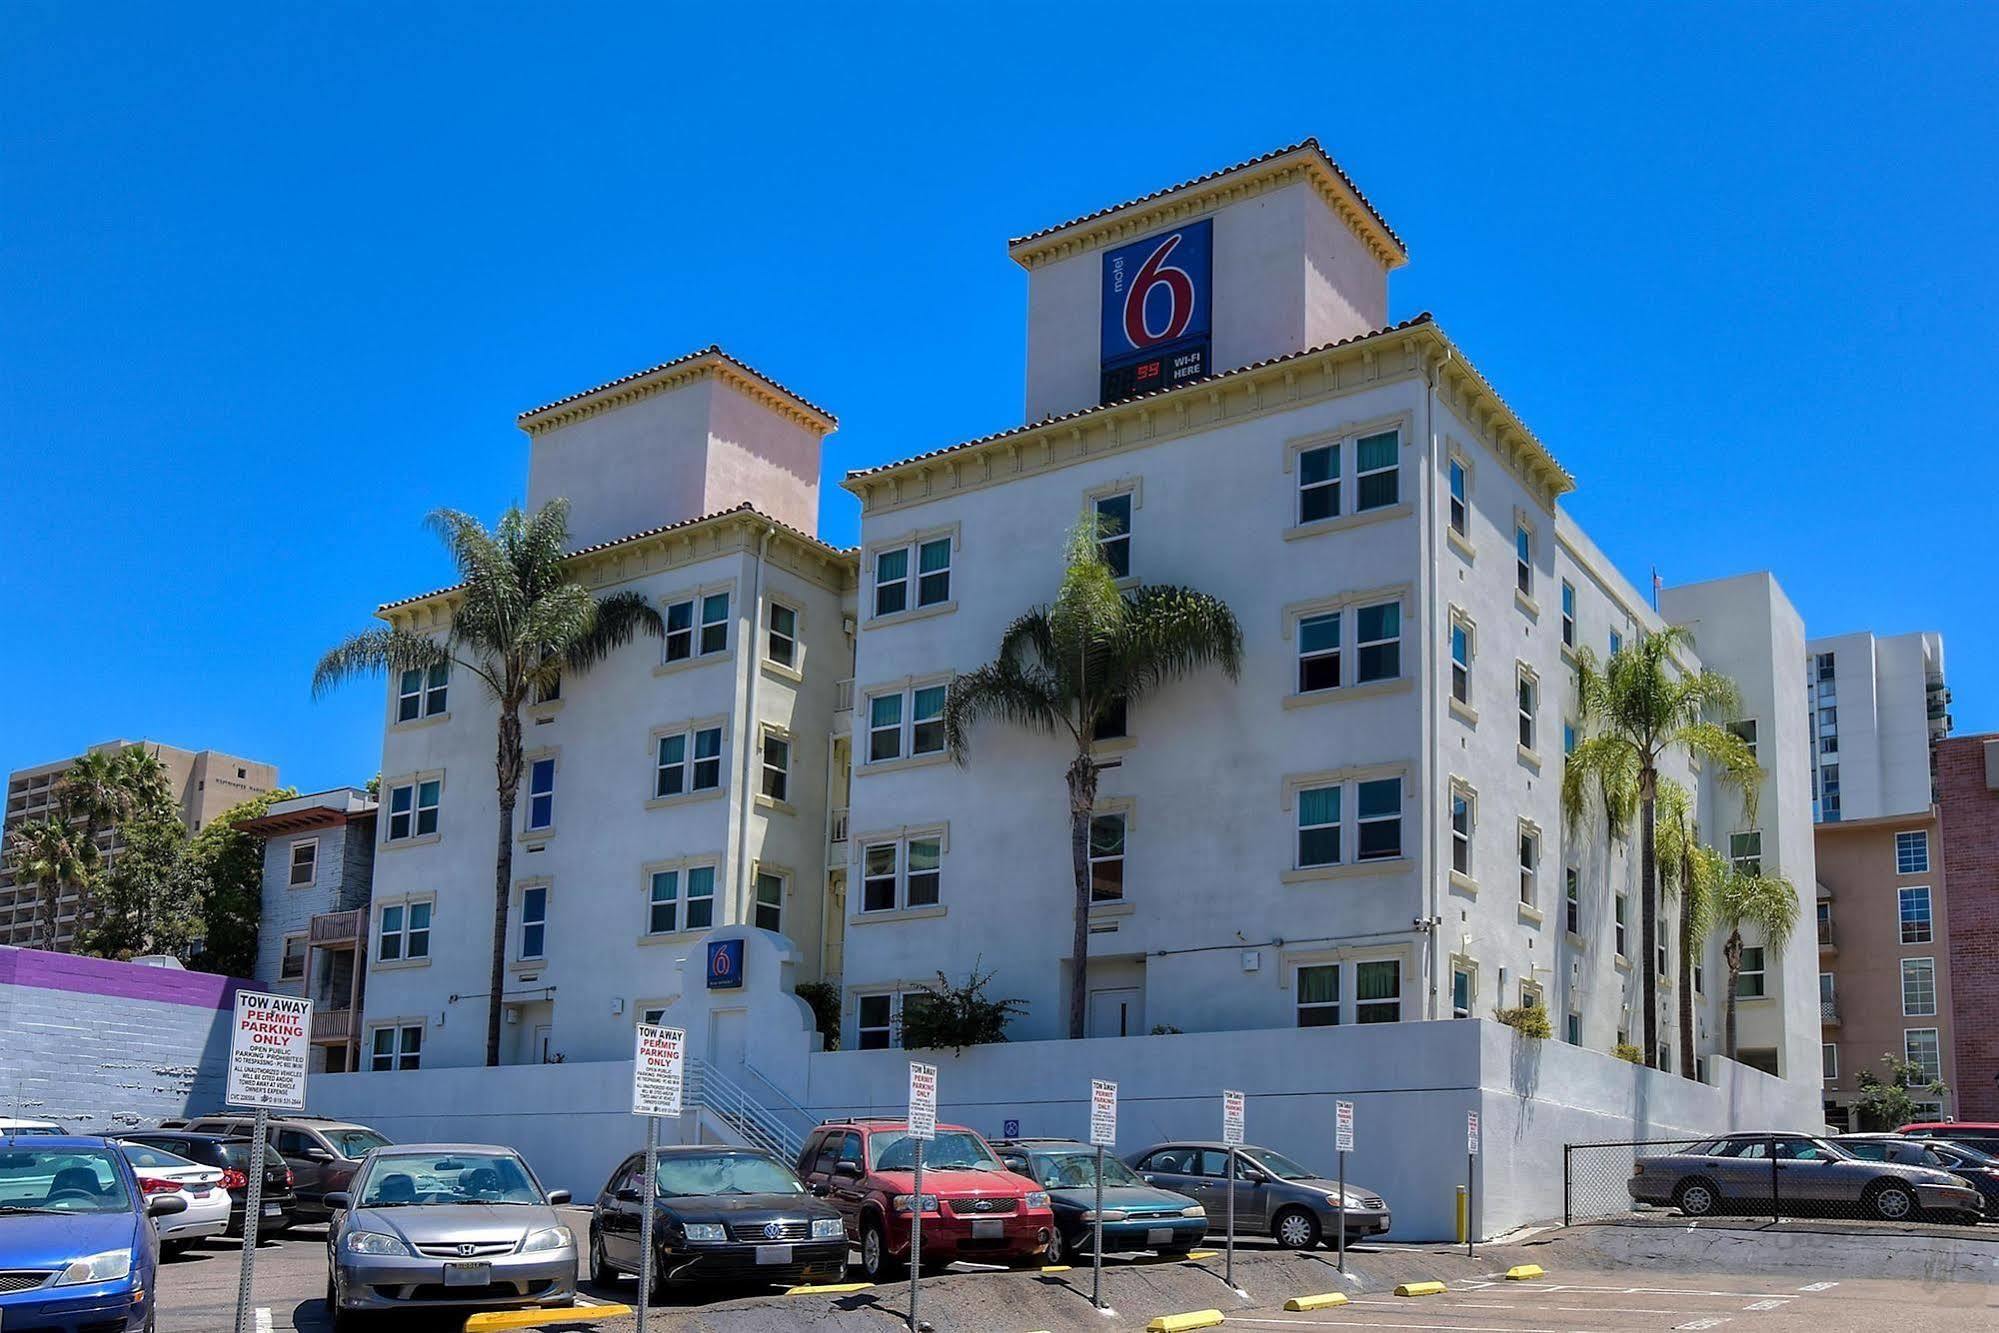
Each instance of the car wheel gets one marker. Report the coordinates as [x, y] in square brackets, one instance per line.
[1058, 1246]
[1891, 1202]
[661, 1287]
[876, 1262]
[1696, 1198]
[601, 1271]
[172, 1249]
[1295, 1229]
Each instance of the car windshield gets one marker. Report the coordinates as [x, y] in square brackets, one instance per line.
[407, 1179]
[725, 1173]
[1078, 1170]
[61, 1180]
[19, 1130]
[140, 1154]
[951, 1150]
[352, 1143]
[1277, 1164]
[1972, 1156]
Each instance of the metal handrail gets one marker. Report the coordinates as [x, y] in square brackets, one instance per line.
[729, 1102]
[783, 1098]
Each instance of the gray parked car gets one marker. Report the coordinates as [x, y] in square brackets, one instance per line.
[1738, 1171]
[440, 1226]
[1274, 1196]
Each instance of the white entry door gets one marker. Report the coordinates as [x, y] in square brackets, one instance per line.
[1116, 1013]
[726, 1031]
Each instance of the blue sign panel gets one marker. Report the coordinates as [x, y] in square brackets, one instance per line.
[1157, 309]
[725, 964]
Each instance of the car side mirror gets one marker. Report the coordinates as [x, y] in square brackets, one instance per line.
[337, 1201]
[849, 1170]
[317, 1155]
[819, 1190]
[628, 1195]
[556, 1198]
[1148, 1178]
[1252, 1176]
[160, 1205]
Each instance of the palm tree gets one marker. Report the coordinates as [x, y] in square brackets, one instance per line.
[1634, 710]
[96, 794]
[53, 856]
[520, 624]
[1690, 871]
[1769, 904]
[1064, 668]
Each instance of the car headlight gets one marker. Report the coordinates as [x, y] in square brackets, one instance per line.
[106, 1267]
[549, 1238]
[901, 1202]
[704, 1231]
[1195, 1211]
[375, 1242]
[1037, 1198]
[828, 1228]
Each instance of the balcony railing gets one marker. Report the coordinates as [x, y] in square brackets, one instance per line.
[843, 696]
[1828, 938]
[836, 831]
[1828, 1012]
[331, 928]
[335, 1024]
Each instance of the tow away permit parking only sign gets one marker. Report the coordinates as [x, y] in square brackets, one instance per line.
[658, 1069]
[1103, 1113]
[267, 1051]
[922, 1101]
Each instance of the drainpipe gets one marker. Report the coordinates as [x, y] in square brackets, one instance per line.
[752, 737]
[1434, 745]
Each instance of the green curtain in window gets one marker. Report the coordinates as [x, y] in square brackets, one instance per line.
[1319, 805]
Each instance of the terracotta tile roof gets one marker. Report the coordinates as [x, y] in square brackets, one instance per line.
[712, 350]
[1209, 382]
[1308, 144]
[743, 509]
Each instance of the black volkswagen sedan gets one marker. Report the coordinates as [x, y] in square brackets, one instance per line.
[720, 1215]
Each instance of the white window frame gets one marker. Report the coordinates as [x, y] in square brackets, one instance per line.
[782, 879]
[682, 900]
[1572, 901]
[1332, 482]
[1527, 706]
[1462, 966]
[1742, 860]
[1621, 925]
[1761, 972]
[912, 578]
[906, 723]
[1523, 560]
[414, 783]
[779, 772]
[900, 841]
[1457, 492]
[522, 923]
[402, 1053]
[1829, 1061]
[1919, 1012]
[1908, 1052]
[1463, 840]
[431, 697]
[1402, 996]
[1902, 922]
[1745, 730]
[1122, 816]
[688, 765]
[1361, 821]
[405, 933]
[1336, 653]
[1394, 469]
[1345, 608]
[1362, 645]
[529, 828]
[897, 997]
[1530, 864]
[1909, 866]
[1126, 489]
[1461, 624]
[1336, 1005]
[794, 641]
[292, 881]
[304, 937]
[1298, 861]
[1568, 614]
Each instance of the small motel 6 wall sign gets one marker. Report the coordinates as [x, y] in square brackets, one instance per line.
[725, 964]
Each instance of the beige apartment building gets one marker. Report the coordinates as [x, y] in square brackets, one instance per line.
[1883, 917]
[205, 782]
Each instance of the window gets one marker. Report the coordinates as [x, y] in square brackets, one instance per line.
[1529, 692]
[908, 722]
[685, 639]
[781, 642]
[1568, 736]
[666, 912]
[1828, 792]
[405, 932]
[1745, 731]
[1912, 853]
[1319, 483]
[901, 874]
[777, 766]
[687, 761]
[1379, 655]
[1460, 512]
[1530, 995]
[1574, 1032]
[769, 910]
[878, 1025]
[1568, 614]
[663, 902]
[305, 862]
[1114, 723]
[534, 922]
[1915, 914]
[421, 692]
[1376, 471]
[549, 691]
[1530, 864]
[1114, 532]
[397, 1046]
[1380, 805]
[1825, 665]
[1319, 652]
[1919, 987]
[1523, 558]
[1616, 643]
[1749, 982]
[1319, 996]
[1318, 827]
[1462, 990]
[1572, 900]
[541, 795]
[1829, 1060]
[291, 967]
[1745, 850]
[1461, 650]
[1921, 1048]
[1623, 930]
[1378, 991]
[932, 559]
[1462, 815]
[1107, 858]
[413, 808]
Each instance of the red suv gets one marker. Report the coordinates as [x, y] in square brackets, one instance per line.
[973, 1207]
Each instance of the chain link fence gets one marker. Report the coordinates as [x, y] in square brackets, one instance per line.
[1775, 1176]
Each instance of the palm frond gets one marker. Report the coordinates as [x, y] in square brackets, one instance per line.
[1601, 776]
[620, 617]
[373, 652]
[1170, 632]
[1768, 903]
[1003, 690]
[1728, 753]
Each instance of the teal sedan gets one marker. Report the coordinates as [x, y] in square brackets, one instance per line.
[1137, 1216]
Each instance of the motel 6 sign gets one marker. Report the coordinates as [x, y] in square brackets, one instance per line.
[725, 964]
[1156, 309]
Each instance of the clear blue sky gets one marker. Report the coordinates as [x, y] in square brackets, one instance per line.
[274, 283]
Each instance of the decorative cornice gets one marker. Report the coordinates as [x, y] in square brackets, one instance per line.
[1417, 349]
[1305, 161]
[709, 362]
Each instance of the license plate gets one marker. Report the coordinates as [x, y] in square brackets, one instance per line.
[988, 1228]
[467, 1275]
[1159, 1236]
[272, 1210]
[773, 1254]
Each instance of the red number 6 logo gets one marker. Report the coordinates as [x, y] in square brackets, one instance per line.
[1179, 287]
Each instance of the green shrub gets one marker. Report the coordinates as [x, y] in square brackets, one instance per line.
[1529, 1020]
[945, 1017]
[824, 997]
[1624, 1050]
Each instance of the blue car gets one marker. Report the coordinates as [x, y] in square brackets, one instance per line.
[1137, 1215]
[78, 1250]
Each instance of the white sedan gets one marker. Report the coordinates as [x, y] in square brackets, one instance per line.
[163, 1172]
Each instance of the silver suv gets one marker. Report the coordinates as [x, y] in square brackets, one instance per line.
[322, 1154]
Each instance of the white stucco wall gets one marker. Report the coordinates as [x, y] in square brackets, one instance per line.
[641, 466]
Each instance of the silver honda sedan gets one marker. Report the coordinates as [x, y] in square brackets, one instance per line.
[1801, 1172]
[444, 1225]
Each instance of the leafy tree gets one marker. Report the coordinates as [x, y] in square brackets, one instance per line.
[824, 997]
[520, 623]
[151, 899]
[1063, 668]
[230, 863]
[54, 856]
[1692, 872]
[1766, 902]
[1886, 1103]
[948, 1017]
[1634, 710]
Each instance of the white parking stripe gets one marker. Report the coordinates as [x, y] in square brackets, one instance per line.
[1819, 1286]
[1435, 1328]
[263, 1319]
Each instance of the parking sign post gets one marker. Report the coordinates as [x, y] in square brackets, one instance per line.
[1471, 1183]
[267, 1063]
[922, 1128]
[1343, 1142]
[659, 1069]
[1231, 1139]
[1103, 1134]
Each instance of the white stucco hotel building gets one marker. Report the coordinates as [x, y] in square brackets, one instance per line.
[1364, 828]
